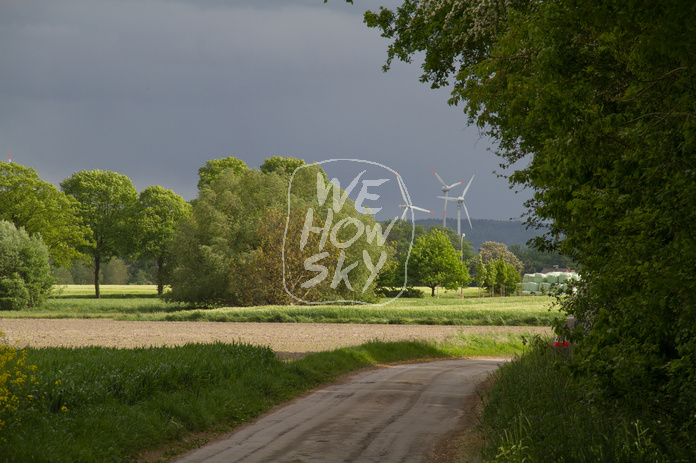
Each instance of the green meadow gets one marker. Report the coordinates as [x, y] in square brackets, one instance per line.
[111, 404]
[140, 303]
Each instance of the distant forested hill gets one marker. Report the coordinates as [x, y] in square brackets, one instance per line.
[508, 232]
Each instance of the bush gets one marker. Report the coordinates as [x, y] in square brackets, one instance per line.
[16, 381]
[25, 272]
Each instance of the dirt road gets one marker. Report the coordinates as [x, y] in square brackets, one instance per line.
[387, 415]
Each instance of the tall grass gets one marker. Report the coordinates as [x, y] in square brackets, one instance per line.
[537, 411]
[99, 404]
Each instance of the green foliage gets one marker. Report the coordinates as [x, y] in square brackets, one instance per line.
[537, 410]
[140, 303]
[238, 227]
[25, 272]
[534, 261]
[212, 170]
[16, 383]
[107, 205]
[596, 100]
[106, 404]
[160, 210]
[492, 251]
[39, 208]
[434, 261]
[280, 165]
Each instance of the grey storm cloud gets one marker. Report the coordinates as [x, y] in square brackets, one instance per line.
[152, 89]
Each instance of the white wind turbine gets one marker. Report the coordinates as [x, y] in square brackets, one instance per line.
[460, 204]
[407, 203]
[445, 189]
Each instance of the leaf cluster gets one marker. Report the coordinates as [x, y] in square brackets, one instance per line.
[595, 101]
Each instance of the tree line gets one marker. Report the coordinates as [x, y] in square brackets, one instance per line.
[223, 247]
[593, 104]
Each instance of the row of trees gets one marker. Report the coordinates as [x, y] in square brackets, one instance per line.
[226, 245]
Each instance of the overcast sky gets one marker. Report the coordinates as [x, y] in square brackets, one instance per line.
[153, 88]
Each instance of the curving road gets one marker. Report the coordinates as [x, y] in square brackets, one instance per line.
[387, 415]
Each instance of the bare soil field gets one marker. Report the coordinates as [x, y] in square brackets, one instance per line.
[288, 339]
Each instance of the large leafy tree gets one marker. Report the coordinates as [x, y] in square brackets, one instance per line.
[491, 251]
[280, 165]
[41, 209]
[25, 272]
[231, 249]
[160, 210]
[597, 97]
[434, 261]
[213, 168]
[108, 207]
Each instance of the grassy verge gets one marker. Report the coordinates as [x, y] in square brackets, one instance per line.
[536, 411]
[106, 404]
[141, 304]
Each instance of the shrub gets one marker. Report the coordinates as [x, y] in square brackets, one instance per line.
[25, 272]
[16, 379]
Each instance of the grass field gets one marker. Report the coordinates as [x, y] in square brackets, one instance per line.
[140, 303]
[110, 404]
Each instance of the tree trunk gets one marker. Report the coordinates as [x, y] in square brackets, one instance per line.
[432, 288]
[96, 278]
[160, 286]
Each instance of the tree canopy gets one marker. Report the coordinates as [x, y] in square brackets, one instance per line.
[108, 207]
[596, 97]
[213, 168]
[160, 210]
[434, 261]
[25, 273]
[241, 245]
[40, 208]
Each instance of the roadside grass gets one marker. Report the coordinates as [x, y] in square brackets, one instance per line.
[137, 303]
[106, 404]
[537, 410]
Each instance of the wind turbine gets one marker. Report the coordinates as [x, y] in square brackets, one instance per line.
[407, 204]
[460, 203]
[445, 189]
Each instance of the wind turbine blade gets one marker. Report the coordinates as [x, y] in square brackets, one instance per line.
[467, 187]
[455, 184]
[403, 216]
[446, 198]
[403, 193]
[467, 216]
[438, 177]
[421, 209]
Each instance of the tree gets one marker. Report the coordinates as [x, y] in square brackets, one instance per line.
[491, 251]
[41, 209]
[107, 206]
[160, 210]
[506, 276]
[534, 260]
[115, 272]
[434, 261]
[462, 246]
[235, 230]
[480, 270]
[282, 166]
[212, 169]
[596, 97]
[25, 271]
